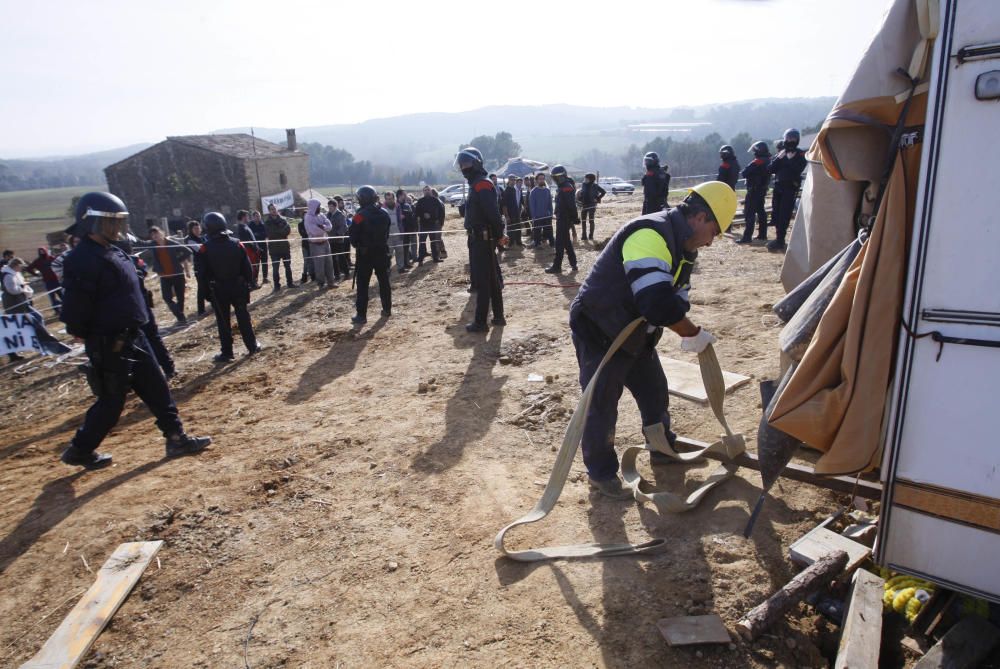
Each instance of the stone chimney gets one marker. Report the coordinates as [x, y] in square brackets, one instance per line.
[292, 144]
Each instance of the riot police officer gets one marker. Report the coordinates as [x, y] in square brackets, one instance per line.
[485, 229]
[149, 328]
[369, 233]
[226, 269]
[566, 217]
[787, 168]
[655, 184]
[104, 305]
[757, 178]
[729, 167]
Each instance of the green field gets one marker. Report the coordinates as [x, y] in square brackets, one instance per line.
[26, 216]
[49, 203]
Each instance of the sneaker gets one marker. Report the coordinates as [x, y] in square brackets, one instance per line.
[611, 488]
[553, 270]
[476, 327]
[499, 321]
[403, 270]
[439, 260]
[359, 320]
[223, 358]
[256, 349]
[775, 245]
[182, 444]
[320, 285]
[741, 240]
[386, 313]
[72, 456]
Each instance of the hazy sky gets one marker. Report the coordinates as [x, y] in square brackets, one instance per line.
[80, 76]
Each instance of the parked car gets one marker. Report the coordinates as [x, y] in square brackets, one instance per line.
[614, 185]
[453, 194]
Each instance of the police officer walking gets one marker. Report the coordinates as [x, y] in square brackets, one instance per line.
[227, 271]
[104, 305]
[787, 168]
[369, 233]
[644, 271]
[566, 217]
[757, 178]
[485, 230]
[655, 184]
[729, 167]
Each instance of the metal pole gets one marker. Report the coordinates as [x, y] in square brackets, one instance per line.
[253, 141]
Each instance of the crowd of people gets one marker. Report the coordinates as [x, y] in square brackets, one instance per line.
[97, 283]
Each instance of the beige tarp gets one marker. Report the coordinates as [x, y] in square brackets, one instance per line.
[835, 400]
[823, 226]
[854, 155]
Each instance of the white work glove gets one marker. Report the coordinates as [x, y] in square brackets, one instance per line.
[697, 343]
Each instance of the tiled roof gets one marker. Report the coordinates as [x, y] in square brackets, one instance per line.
[239, 145]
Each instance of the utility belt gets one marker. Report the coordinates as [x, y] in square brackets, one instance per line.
[111, 361]
[587, 329]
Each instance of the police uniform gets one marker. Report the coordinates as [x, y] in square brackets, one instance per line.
[591, 193]
[787, 168]
[105, 306]
[369, 234]
[754, 213]
[643, 271]
[228, 273]
[484, 227]
[729, 172]
[655, 187]
[566, 217]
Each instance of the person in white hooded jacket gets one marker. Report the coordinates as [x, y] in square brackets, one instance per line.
[17, 295]
[317, 225]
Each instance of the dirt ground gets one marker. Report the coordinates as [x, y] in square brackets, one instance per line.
[345, 514]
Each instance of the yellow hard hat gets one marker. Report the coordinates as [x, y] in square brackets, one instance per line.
[721, 199]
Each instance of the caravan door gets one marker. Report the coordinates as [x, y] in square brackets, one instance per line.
[941, 501]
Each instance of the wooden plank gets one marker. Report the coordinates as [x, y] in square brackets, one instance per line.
[845, 484]
[819, 541]
[690, 630]
[684, 380]
[81, 627]
[861, 637]
[964, 646]
[976, 510]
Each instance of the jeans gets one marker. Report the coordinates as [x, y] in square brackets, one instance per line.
[172, 287]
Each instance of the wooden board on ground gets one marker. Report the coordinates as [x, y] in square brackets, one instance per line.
[861, 637]
[689, 630]
[684, 380]
[819, 541]
[78, 631]
[964, 646]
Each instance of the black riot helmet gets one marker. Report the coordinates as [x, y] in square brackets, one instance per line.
[214, 223]
[759, 149]
[558, 173]
[726, 152]
[651, 160]
[791, 137]
[100, 213]
[469, 161]
[366, 195]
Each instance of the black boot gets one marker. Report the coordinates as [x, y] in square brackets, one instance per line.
[476, 327]
[93, 460]
[183, 444]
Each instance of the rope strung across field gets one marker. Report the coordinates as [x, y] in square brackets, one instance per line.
[729, 446]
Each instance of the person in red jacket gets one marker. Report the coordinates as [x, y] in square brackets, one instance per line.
[43, 265]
